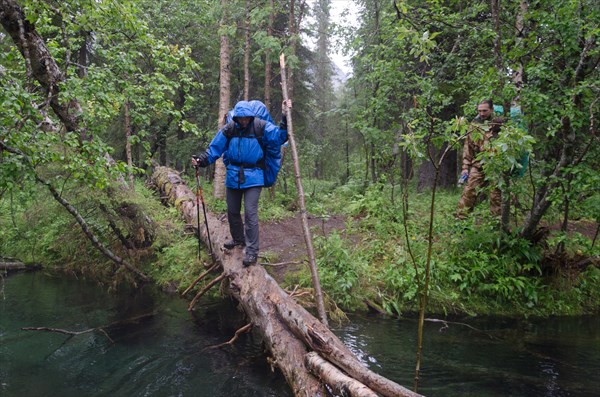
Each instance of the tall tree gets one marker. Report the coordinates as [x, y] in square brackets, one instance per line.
[225, 96]
[247, 51]
[268, 55]
[323, 88]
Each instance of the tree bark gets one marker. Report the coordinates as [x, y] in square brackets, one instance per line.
[14, 265]
[288, 330]
[247, 49]
[268, 63]
[43, 66]
[224, 99]
[128, 146]
[339, 382]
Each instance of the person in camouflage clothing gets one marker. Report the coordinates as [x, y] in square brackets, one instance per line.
[488, 126]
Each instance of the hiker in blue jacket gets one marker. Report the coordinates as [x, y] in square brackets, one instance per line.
[251, 148]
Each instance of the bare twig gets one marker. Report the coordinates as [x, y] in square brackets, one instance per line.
[98, 329]
[244, 329]
[200, 277]
[204, 290]
[445, 326]
[284, 263]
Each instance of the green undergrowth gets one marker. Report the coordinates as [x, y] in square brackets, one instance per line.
[475, 269]
[36, 230]
[376, 263]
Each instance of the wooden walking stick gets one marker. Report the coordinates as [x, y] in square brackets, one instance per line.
[300, 189]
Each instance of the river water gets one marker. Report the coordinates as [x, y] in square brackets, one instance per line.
[155, 347]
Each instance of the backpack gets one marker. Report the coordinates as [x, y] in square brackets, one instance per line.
[271, 162]
[517, 115]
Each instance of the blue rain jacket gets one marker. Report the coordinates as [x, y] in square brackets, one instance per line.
[241, 150]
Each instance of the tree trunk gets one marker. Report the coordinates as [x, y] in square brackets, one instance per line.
[83, 57]
[340, 383]
[224, 101]
[48, 74]
[268, 63]
[288, 330]
[247, 49]
[294, 22]
[43, 66]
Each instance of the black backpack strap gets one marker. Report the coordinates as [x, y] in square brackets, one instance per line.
[258, 130]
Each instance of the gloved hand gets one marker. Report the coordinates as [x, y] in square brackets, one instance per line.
[283, 123]
[201, 160]
[464, 176]
[285, 105]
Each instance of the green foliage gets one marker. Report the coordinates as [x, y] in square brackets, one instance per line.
[342, 273]
[177, 263]
[505, 152]
[399, 287]
[34, 229]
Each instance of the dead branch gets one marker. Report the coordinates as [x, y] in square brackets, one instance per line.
[200, 277]
[244, 329]
[85, 227]
[100, 329]
[67, 332]
[307, 233]
[283, 263]
[445, 326]
[318, 337]
[204, 290]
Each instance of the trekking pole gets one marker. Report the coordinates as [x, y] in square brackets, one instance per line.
[200, 197]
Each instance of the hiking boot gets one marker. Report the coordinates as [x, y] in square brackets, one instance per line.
[233, 243]
[249, 260]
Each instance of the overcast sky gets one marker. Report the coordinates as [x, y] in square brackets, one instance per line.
[337, 8]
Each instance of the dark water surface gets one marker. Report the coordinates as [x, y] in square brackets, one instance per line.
[161, 354]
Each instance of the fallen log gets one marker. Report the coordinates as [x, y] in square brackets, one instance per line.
[288, 330]
[10, 265]
[339, 382]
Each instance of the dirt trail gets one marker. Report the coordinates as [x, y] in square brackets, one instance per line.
[284, 239]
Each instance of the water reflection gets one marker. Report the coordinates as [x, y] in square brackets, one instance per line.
[497, 357]
[158, 355]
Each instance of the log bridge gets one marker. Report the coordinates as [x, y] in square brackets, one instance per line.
[312, 359]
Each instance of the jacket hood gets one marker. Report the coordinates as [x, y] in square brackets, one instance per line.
[260, 110]
[243, 109]
[256, 107]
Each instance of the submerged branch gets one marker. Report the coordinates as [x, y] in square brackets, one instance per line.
[244, 329]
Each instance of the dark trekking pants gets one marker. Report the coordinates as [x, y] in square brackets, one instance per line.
[248, 229]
